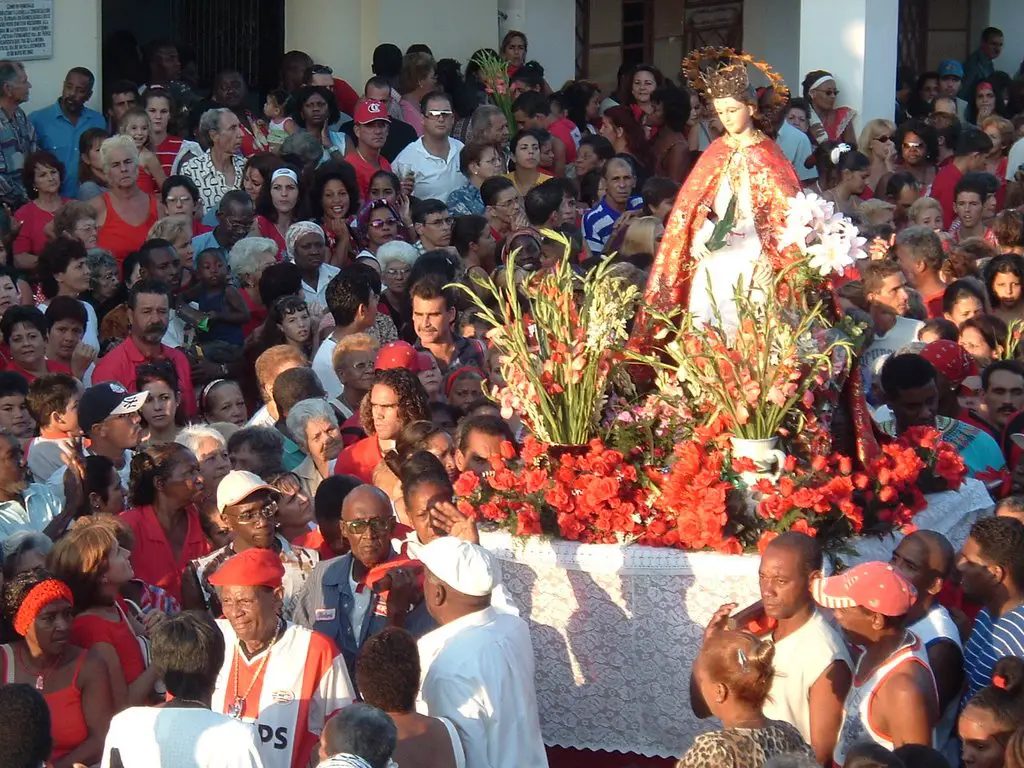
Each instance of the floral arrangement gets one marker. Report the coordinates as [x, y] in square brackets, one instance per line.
[558, 335]
[1013, 339]
[494, 74]
[601, 466]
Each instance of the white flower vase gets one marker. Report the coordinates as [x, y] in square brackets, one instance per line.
[766, 457]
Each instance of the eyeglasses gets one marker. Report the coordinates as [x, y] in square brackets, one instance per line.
[447, 222]
[376, 525]
[508, 204]
[913, 145]
[397, 272]
[439, 114]
[180, 200]
[364, 366]
[267, 512]
[883, 139]
[320, 69]
[381, 223]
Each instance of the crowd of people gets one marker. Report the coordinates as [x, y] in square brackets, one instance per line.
[237, 388]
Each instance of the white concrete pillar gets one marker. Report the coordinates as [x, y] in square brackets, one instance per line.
[1007, 15]
[768, 36]
[855, 40]
[76, 43]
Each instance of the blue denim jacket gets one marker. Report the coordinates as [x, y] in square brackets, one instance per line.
[326, 601]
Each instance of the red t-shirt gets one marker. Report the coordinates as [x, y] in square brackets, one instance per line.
[360, 459]
[562, 130]
[346, 96]
[933, 304]
[120, 365]
[167, 151]
[365, 171]
[32, 236]
[152, 558]
[944, 191]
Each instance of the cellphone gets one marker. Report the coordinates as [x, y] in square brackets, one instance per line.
[744, 618]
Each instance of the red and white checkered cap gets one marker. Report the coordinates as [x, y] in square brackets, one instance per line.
[876, 586]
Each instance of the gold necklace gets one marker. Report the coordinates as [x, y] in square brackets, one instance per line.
[238, 702]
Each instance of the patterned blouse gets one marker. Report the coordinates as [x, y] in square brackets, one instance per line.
[466, 201]
[211, 182]
[744, 747]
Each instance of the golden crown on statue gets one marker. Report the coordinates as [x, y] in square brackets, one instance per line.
[719, 73]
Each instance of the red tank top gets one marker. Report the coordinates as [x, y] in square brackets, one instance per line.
[88, 630]
[67, 720]
[118, 236]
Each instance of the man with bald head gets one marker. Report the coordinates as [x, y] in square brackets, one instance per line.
[477, 666]
[813, 665]
[355, 596]
[926, 559]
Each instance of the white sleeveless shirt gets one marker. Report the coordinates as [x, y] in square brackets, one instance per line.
[857, 721]
[934, 626]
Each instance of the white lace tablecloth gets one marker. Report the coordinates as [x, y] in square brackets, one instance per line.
[616, 629]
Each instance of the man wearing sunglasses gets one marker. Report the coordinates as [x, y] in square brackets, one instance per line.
[355, 596]
[429, 167]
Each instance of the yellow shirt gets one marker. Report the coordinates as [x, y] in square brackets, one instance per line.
[541, 178]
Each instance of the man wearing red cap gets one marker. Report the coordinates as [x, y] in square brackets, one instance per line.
[893, 700]
[284, 679]
[371, 125]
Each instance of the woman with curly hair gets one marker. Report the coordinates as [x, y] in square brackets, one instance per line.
[91, 560]
[164, 488]
[388, 676]
[332, 202]
[39, 610]
[396, 399]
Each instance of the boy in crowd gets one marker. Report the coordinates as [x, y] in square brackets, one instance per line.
[53, 402]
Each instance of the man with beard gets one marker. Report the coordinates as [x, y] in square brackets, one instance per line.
[1002, 387]
[61, 125]
[811, 660]
[355, 596]
[433, 316]
[149, 310]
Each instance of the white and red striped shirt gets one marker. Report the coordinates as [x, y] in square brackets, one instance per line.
[302, 684]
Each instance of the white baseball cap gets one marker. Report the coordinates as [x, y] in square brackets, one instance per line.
[465, 567]
[237, 485]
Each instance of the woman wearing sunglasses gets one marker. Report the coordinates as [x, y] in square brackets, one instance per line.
[378, 222]
[876, 142]
[249, 508]
[827, 121]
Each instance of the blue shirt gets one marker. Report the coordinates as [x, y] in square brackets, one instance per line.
[206, 241]
[599, 221]
[989, 642]
[466, 201]
[56, 134]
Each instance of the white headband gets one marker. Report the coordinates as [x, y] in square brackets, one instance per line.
[837, 153]
[284, 172]
[820, 82]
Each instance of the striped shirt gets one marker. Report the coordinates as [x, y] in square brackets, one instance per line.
[599, 221]
[990, 641]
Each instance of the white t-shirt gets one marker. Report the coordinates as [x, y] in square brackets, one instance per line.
[180, 737]
[436, 177]
[800, 659]
[1015, 160]
[904, 332]
[323, 367]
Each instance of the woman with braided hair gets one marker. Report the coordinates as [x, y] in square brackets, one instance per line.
[164, 488]
[39, 610]
[988, 721]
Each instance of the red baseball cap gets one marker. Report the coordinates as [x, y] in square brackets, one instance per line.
[876, 586]
[371, 110]
[398, 354]
[250, 568]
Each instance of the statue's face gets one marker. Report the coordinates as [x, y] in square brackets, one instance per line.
[736, 116]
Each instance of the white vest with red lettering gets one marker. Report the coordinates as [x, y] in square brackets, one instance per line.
[304, 682]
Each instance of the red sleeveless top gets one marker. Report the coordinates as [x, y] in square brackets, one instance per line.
[67, 720]
[88, 630]
[118, 236]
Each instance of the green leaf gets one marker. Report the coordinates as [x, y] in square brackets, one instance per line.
[720, 234]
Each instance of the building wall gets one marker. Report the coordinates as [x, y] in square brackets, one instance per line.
[768, 31]
[331, 31]
[1008, 15]
[452, 28]
[550, 28]
[76, 43]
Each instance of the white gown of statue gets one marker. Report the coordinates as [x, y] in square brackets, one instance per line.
[719, 271]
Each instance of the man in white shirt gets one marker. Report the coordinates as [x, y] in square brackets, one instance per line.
[813, 668]
[429, 167]
[352, 302]
[185, 732]
[885, 292]
[477, 666]
[926, 559]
